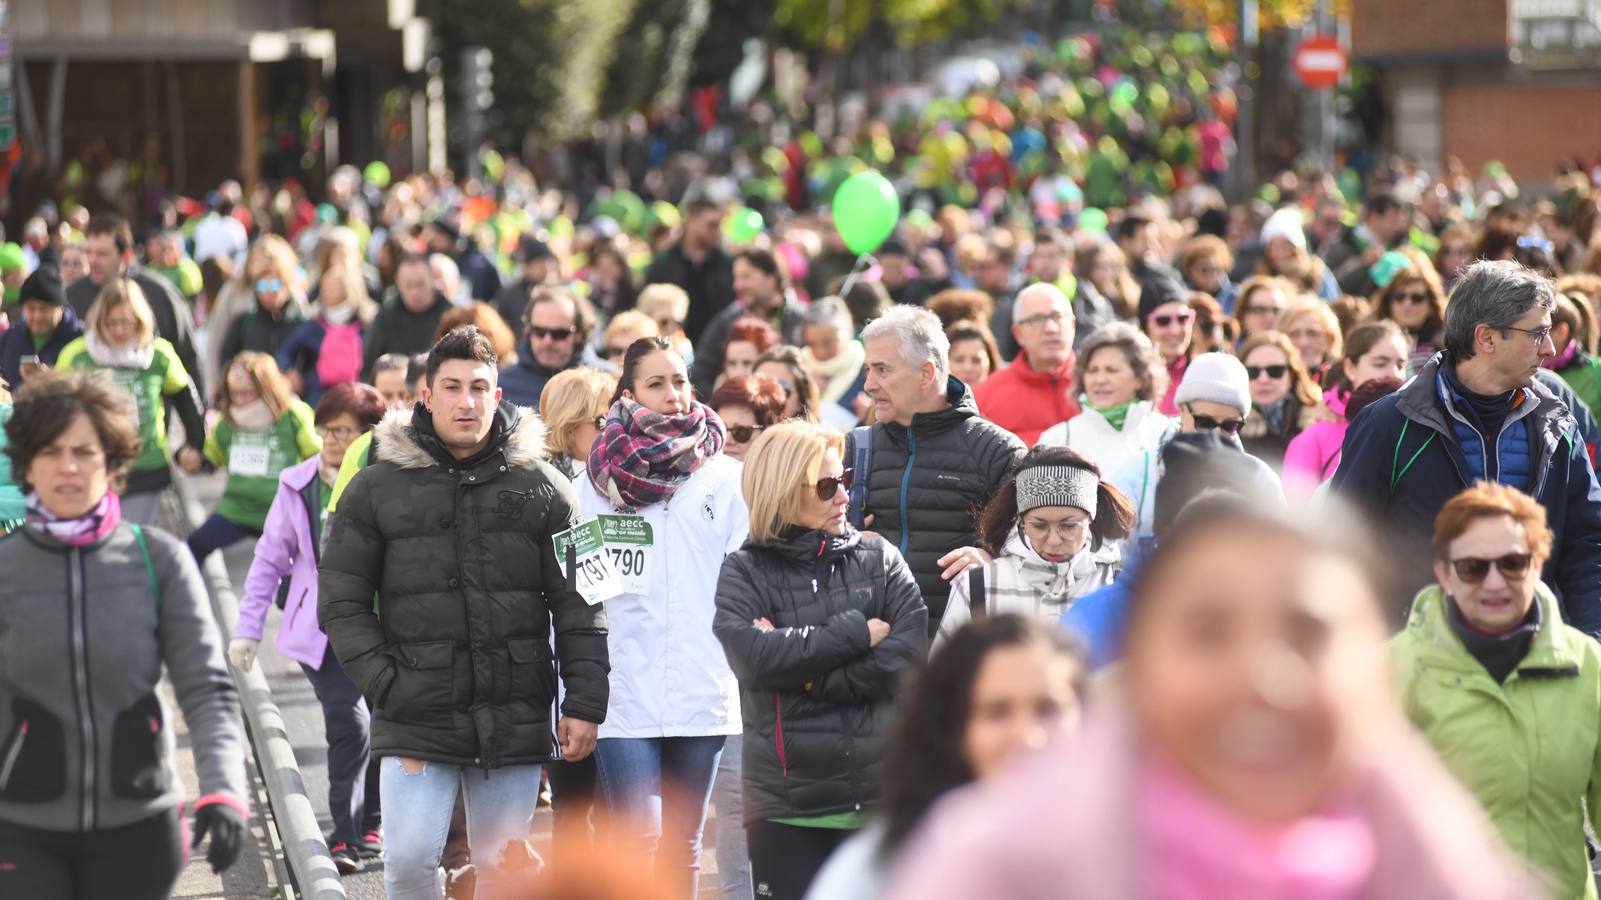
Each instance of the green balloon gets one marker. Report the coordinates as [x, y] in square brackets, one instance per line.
[743, 224]
[376, 174]
[865, 211]
[1092, 220]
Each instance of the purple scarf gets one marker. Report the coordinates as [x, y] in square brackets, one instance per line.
[643, 456]
[82, 531]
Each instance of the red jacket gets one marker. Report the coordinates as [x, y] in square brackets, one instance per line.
[1026, 402]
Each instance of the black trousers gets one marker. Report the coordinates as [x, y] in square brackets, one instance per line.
[785, 858]
[136, 862]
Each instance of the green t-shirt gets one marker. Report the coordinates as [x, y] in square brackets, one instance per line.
[185, 276]
[149, 387]
[844, 821]
[253, 460]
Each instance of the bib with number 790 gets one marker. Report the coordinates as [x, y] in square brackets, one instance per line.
[631, 543]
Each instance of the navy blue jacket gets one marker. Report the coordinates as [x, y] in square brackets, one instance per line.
[524, 380]
[17, 342]
[1402, 461]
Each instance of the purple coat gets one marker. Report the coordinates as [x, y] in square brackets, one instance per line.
[286, 548]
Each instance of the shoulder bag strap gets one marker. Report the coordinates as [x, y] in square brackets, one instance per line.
[150, 567]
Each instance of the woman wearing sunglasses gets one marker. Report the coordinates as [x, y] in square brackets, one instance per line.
[1169, 322]
[748, 405]
[1053, 528]
[276, 315]
[1285, 401]
[1508, 694]
[818, 622]
[1414, 299]
[658, 473]
[573, 406]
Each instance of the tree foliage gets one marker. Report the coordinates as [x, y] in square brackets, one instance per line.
[654, 54]
[1271, 14]
[838, 25]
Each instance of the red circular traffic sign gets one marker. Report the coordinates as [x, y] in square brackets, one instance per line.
[1320, 61]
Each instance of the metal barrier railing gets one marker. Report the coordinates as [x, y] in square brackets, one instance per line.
[304, 847]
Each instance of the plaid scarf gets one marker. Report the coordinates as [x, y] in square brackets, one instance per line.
[643, 456]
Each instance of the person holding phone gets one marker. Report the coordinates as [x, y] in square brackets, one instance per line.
[50, 326]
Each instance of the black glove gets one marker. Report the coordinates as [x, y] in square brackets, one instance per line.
[227, 828]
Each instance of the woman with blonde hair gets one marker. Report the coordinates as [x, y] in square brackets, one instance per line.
[1285, 401]
[1263, 298]
[1101, 263]
[119, 337]
[270, 256]
[818, 622]
[327, 349]
[668, 306]
[622, 331]
[573, 407]
[1315, 331]
[262, 429]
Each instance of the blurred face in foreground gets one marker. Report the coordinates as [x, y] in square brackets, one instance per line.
[1023, 693]
[1254, 665]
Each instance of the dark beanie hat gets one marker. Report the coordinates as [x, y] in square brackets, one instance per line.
[44, 284]
[1160, 289]
[1198, 462]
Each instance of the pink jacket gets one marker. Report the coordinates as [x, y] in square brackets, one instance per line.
[286, 548]
[1314, 454]
[1065, 824]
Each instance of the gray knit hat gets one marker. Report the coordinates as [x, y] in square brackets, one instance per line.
[1218, 378]
[1057, 486]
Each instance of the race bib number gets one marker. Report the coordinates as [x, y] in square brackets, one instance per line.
[594, 576]
[631, 544]
[248, 455]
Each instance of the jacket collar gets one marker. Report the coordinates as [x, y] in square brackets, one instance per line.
[962, 406]
[297, 476]
[810, 545]
[1552, 653]
[517, 433]
[526, 360]
[1421, 402]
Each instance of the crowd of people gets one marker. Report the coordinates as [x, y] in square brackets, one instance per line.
[1092, 522]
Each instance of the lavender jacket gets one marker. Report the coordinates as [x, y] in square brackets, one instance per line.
[287, 548]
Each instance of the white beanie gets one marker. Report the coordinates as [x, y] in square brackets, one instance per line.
[1286, 223]
[1216, 378]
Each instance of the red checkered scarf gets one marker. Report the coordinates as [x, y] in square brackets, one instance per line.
[643, 456]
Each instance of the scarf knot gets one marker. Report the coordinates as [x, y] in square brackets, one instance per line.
[80, 531]
[642, 457]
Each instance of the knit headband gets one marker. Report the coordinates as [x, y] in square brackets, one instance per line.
[1057, 486]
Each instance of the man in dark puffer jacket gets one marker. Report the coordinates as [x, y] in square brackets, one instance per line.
[451, 527]
[935, 462]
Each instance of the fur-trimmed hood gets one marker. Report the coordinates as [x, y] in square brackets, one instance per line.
[523, 443]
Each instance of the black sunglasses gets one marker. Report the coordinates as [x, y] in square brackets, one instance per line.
[1207, 423]
[1273, 372]
[743, 434]
[828, 487]
[1166, 319]
[554, 334]
[1474, 569]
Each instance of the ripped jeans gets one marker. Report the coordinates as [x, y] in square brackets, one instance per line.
[500, 809]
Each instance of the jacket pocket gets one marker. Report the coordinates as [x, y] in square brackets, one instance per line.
[533, 678]
[424, 681]
[33, 759]
[137, 772]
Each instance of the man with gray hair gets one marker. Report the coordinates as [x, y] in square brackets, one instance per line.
[1476, 412]
[1039, 388]
[931, 460]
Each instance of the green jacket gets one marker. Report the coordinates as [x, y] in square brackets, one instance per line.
[1529, 749]
[1584, 376]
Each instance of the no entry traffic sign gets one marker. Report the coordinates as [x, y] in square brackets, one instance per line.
[1320, 61]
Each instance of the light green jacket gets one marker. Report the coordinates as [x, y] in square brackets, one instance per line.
[1529, 749]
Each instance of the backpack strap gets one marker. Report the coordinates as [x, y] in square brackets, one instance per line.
[861, 462]
[150, 567]
[977, 603]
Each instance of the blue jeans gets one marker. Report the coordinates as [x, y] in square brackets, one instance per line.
[216, 533]
[346, 725]
[658, 789]
[500, 810]
[733, 858]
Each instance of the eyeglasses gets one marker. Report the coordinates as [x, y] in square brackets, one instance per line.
[1039, 530]
[554, 334]
[1273, 372]
[268, 285]
[1410, 297]
[744, 434]
[1539, 334]
[1166, 319]
[1263, 310]
[616, 352]
[342, 433]
[828, 487]
[1056, 315]
[1474, 569]
[1207, 423]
